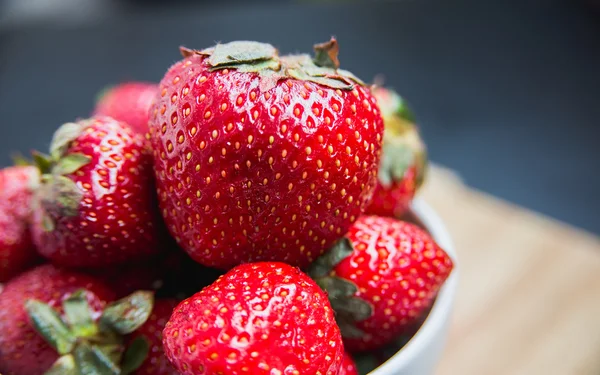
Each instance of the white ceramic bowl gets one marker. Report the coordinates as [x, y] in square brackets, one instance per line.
[422, 353]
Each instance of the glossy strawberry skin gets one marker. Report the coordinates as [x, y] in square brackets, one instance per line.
[16, 248]
[394, 200]
[262, 319]
[348, 366]
[398, 268]
[117, 220]
[128, 102]
[22, 350]
[245, 175]
[156, 363]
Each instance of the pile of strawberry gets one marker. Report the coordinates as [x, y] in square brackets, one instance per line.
[271, 172]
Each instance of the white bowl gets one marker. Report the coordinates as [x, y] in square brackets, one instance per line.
[422, 353]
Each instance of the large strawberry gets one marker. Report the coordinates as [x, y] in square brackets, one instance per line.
[55, 321]
[404, 158]
[156, 363]
[128, 102]
[262, 157]
[381, 278]
[16, 248]
[260, 319]
[96, 201]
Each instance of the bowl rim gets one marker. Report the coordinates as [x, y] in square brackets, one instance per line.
[443, 304]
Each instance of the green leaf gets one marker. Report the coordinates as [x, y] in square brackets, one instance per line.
[241, 52]
[42, 161]
[71, 163]
[64, 365]
[65, 194]
[135, 355]
[114, 352]
[403, 110]
[326, 262]
[47, 222]
[337, 287]
[128, 314]
[20, 160]
[350, 76]
[79, 314]
[349, 329]
[50, 326]
[92, 361]
[326, 54]
[397, 158]
[325, 81]
[354, 309]
[63, 137]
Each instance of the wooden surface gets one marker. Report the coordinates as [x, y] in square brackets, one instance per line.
[529, 290]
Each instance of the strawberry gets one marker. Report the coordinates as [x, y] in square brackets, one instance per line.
[262, 157]
[259, 318]
[156, 363]
[128, 102]
[348, 366]
[96, 202]
[16, 248]
[22, 351]
[381, 278]
[55, 321]
[404, 157]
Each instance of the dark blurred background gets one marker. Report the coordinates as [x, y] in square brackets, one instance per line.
[507, 92]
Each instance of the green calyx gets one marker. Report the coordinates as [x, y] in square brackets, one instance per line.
[58, 194]
[264, 59]
[349, 309]
[88, 346]
[403, 147]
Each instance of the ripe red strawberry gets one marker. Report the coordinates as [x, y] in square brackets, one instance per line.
[262, 157]
[156, 363]
[404, 158]
[96, 201]
[16, 248]
[348, 366]
[128, 102]
[260, 319]
[22, 350]
[55, 321]
[380, 279]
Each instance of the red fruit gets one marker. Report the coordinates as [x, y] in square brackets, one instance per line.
[348, 366]
[128, 102]
[22, 350]
[404, 157]
[156, 363]
[261, 157]
[261, 318]
[16, 249]
[381, 278]
[96, 202]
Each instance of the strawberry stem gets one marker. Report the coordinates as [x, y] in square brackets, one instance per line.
[326, 54]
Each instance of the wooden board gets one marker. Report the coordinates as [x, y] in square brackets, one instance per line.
[529, 290]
